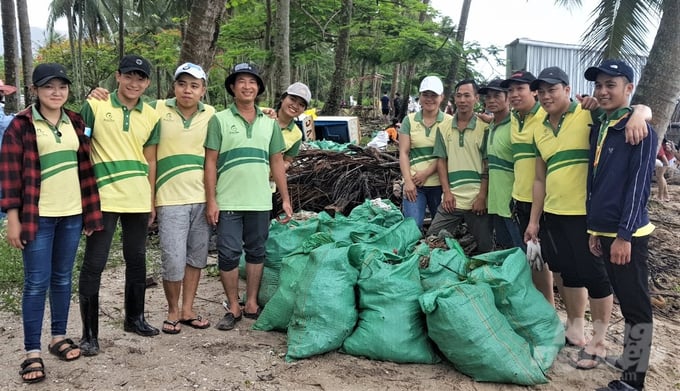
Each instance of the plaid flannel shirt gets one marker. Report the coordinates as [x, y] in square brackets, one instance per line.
[20, 174]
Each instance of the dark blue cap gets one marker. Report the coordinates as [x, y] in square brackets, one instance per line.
[611, 68]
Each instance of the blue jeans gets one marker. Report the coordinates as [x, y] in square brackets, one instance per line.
[48, 263]
[428, 196]
[507, 232]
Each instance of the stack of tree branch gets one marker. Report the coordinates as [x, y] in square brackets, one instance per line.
[320, 180]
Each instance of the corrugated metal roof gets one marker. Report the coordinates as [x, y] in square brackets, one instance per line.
[534, 56]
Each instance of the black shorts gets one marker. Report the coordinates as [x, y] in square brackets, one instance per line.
[566, 245]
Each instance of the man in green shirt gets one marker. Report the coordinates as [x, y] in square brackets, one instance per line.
[501, 173]
[241, 149]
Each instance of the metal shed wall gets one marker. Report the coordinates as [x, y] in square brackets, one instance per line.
[534, 56]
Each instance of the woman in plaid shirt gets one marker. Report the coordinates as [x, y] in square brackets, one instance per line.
[50, 196]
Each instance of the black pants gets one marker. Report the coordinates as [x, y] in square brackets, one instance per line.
[134, 231]
[630, 283]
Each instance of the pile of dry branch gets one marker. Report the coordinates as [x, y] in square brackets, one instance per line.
[330, 181]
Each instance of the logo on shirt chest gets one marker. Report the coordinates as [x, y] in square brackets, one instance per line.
[168, 117]
[233, 129]
[108, 117]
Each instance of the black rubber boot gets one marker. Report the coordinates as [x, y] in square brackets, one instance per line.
[134, 311]
[89, 313]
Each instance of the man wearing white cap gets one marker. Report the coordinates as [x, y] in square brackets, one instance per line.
[180, 196]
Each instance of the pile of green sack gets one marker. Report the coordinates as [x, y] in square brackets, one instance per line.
[365, 285]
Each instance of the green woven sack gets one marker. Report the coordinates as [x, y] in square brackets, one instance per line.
[391, 325]
[398, 239]
[445, 267]
[276, 314]
[525, 308]
[325, 306]
[378, 211]
[471, 333]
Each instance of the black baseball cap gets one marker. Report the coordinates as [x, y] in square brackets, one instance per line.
[244, 68]
[522, 77]
[495, 85]
[43, 73]
[132, 63]
[611, 68]
[550, 75]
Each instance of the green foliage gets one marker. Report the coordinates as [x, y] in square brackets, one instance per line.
[11, 275]
[383, 34]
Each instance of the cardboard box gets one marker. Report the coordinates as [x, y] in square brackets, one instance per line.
[306, 124]
[338, 129]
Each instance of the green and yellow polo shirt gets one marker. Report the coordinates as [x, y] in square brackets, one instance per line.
[501, 174]
[422, 142]
[119, 136]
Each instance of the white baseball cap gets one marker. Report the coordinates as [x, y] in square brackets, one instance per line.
[192, 69]
[301, 90]
[432, 83]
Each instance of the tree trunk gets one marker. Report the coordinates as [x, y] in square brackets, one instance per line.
[121, 30]
[26, 49]
[10, 42]
[281, 49]
[395, 87]
[659, 85]
[332, 106]
[450, 80]
[198, 45]
[411, 69]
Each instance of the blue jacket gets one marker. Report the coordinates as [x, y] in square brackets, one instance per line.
[619, 189]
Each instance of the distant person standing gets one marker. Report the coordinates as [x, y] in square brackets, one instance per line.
[385, 107]
[398, 114]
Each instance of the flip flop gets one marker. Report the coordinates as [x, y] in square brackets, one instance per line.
[570, 344]
[190, 322]
[173, 324]
[57, 350]
[583, 355]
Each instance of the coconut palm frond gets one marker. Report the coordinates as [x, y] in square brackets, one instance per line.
[619, 29]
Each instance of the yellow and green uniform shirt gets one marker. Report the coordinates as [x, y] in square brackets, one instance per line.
[524, 151]
[119, 136]
[180, 154]
[59, 182]
[243, 161]
[565, 150]
[422, 142]
[464, 151]
[292, 137]
[501, 176]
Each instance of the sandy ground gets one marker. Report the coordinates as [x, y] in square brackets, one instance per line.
[243, 359]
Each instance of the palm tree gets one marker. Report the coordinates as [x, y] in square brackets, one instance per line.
[26, 49]
[618, 31]
[10, 43]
